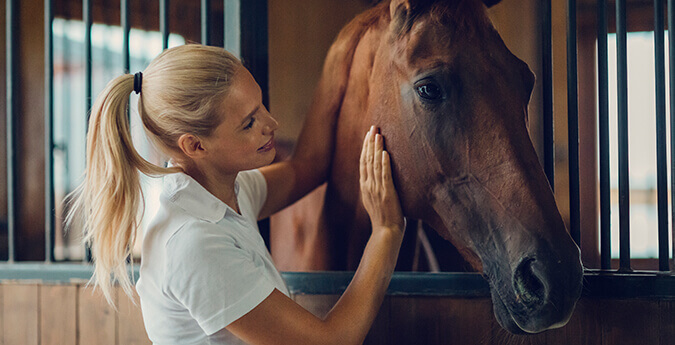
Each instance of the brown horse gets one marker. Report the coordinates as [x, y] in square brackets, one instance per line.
[451, 101]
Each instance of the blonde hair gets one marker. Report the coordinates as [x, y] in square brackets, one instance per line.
[180, 93]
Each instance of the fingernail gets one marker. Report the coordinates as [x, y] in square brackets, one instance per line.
[372, 128]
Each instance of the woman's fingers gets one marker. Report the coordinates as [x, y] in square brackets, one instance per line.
[370, 148]
[377, 161]
[387, 181]
[363, 172]
[377, 187]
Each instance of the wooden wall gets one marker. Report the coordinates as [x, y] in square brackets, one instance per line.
[469, 321]
[32, 313]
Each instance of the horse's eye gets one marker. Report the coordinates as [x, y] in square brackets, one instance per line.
[429, 90]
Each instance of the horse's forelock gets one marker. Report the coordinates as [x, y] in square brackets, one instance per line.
[465, 16]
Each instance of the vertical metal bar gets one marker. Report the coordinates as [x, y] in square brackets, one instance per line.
[126, 28]
[661, 168]
[547, 89]
[126, 51]
[86, 14]
[12, 65]
[206, 21]
[49, 132]
[232, 26]
[573, 120]
[164, 22]
[86, 17]
[671, 79]
[603, 121]
[622, 107]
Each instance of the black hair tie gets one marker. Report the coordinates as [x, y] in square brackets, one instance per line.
[138, 80]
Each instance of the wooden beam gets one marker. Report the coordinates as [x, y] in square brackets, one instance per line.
[96, 319]
[58, 314]
[20, 314]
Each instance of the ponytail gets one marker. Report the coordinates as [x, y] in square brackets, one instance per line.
[110, 196]
[182, 92]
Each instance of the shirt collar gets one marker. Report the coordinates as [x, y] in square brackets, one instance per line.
[192, 197]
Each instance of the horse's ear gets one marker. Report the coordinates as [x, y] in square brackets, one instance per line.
[490, 3]
[399, 11]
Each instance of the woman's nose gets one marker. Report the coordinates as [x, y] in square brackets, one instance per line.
[271, 124]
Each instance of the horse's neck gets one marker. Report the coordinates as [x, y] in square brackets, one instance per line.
[343, 216]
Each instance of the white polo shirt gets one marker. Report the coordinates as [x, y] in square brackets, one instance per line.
[204, 265]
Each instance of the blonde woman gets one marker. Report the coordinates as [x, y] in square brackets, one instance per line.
[206, 276]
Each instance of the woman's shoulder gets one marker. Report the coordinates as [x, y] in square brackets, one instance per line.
[251, 180]
[251, 191]
[197, 232]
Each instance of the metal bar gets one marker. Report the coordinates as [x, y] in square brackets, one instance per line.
[86, 14]
[622, 108]
[49, 131]
[547, 90]
[573, 120]
[86, 17]
[164, 22]
[661, 168]
[671, 79]
[126, 28]
[232, 26]
[603, 121]
[12, 84]
[206, 21]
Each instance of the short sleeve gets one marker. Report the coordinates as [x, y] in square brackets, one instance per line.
[216, 280]
[252, 191]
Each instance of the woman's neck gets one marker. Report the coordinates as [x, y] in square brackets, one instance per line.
[220, 185]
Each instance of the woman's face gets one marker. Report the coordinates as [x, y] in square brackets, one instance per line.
[244, 140]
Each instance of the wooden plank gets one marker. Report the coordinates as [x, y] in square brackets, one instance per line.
[379, 330]
[96, 319]
[20, 309]
[629, 322]
[58, 314]
[667, 321]
[2, 317]
[130, 327]
[440, 320]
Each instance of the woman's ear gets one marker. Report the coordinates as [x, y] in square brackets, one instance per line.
[191, 146]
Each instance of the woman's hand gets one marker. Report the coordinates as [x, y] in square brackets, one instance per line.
[279, 320]
[377, 187]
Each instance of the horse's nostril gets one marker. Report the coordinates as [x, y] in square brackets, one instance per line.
[530, 290]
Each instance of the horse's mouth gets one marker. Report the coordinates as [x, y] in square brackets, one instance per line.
[503, 314]
[514, 323]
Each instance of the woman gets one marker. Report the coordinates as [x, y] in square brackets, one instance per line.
[206, 276]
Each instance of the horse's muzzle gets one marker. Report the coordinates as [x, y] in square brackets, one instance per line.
[542, 295]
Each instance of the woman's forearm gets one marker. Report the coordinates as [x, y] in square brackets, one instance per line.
[356, 310]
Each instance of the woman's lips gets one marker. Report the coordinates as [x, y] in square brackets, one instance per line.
[268, 146]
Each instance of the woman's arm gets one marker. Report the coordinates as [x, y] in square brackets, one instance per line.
[290, 180]
[279, 320]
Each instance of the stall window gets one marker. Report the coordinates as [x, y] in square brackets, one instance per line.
[69, 124]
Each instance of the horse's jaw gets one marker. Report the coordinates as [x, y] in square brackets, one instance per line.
[534, 286]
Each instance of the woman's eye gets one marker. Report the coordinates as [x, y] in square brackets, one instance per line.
[429, 90]
[250, 124]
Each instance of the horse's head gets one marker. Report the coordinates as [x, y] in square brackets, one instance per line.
[451, 100]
